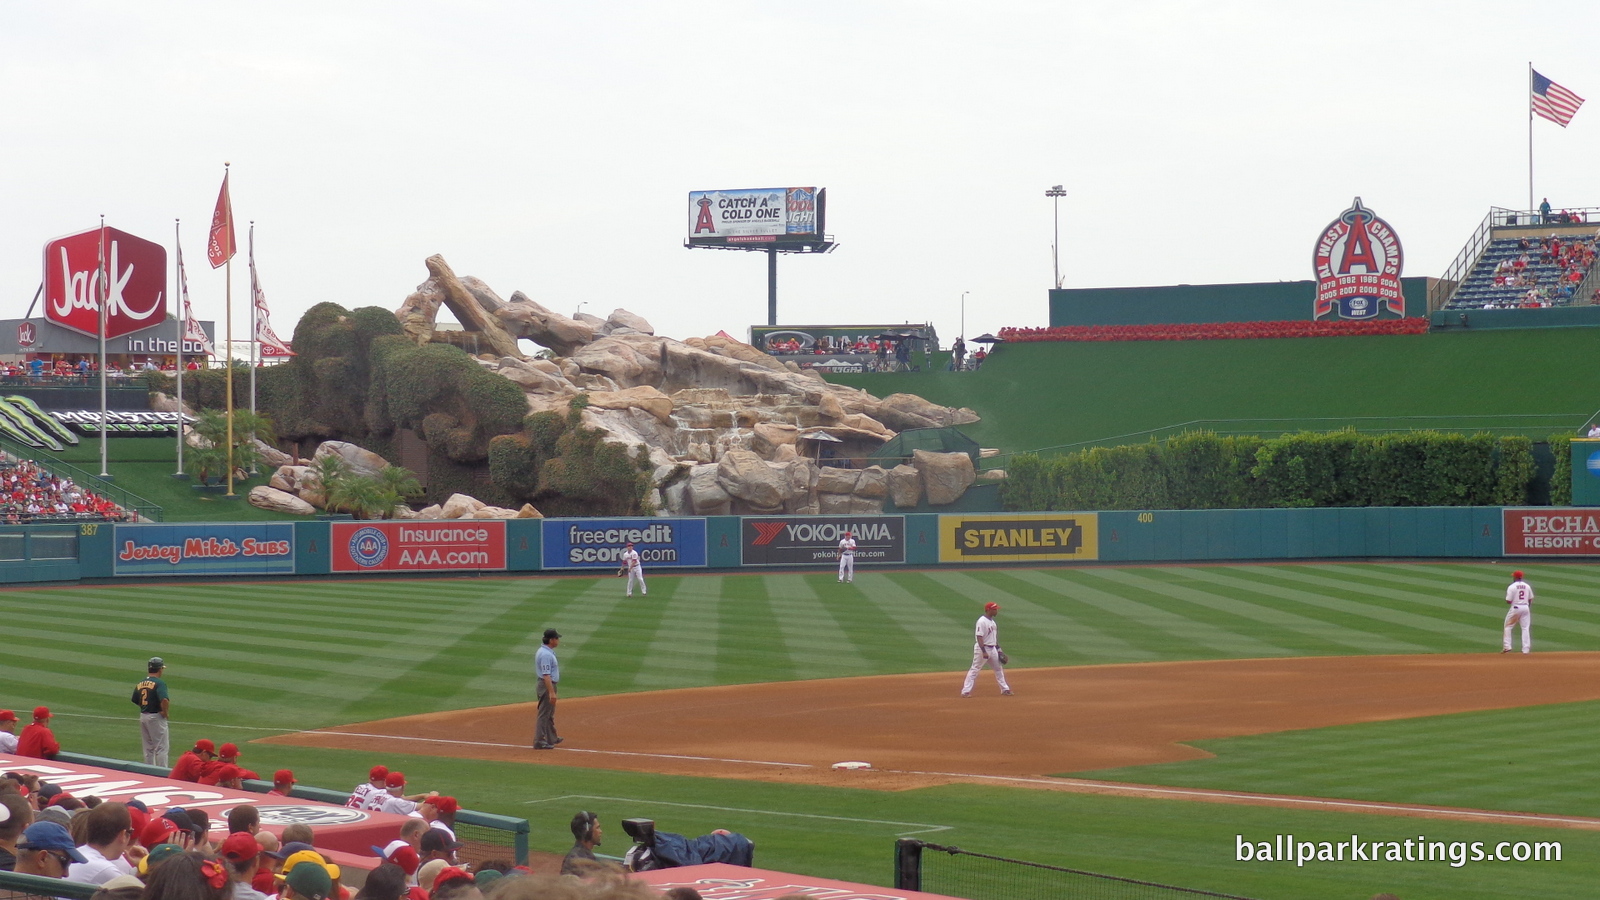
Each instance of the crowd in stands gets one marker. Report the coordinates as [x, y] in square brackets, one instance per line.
[29, 493]
[131, 851]
[1213, 331]
[1570, 260]
[62, 371]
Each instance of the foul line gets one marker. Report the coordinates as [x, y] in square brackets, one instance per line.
[1111, 786]
[423, 740]
[921, 827]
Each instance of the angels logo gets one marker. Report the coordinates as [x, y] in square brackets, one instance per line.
[1358, 262]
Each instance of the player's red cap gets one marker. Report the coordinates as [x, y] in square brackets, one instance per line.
[7, 715]
[228, 751]
[395, 779]
[1517, 575]
[205, 746]
[378, 772]
[283, 775]
[240, 846]
[446, 805]
[226, 772]
[41, 712]
[991, 607]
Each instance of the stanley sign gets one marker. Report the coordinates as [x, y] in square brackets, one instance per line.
[1034, 537]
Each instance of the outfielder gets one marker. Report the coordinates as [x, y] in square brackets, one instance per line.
[1519, 597]
[986, 651]
[847, 558]
[630, 561]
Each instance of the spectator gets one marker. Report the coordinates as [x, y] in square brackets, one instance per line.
[428, 871]
[37, 740]
[15, 815]
[202, 830]
[412, 831]
[122, 887]
[958, 353]
[386, 882]
[108, 834]
[374, 784]
[195, 762]
[1544, 211]
[308, 877]
[245, 818]
[266, 863]
[188, 876]
[440, 813]
[157, 857]
[454, 883]
[46, 849]
[586, 834]
[8, 735]
[297, 833]
[438, 845]
[403, 855]
[242, 854]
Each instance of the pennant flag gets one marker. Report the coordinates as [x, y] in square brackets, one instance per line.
[222, 245]
[266, 338]
[193, 334]
[1554, 102]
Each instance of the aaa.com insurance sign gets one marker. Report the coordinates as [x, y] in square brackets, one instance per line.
[437, 545]
[128, 272]
[1550, 531]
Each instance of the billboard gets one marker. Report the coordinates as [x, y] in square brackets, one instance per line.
[203, 549]
[419, 545]
[1035, 537]
[1546, 531]
[598, 543]
[814, 540]
[757, 216]
[1358, 261]
[135, 276]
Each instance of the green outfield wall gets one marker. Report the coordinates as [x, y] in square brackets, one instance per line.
[1277, 301]
[1553, 317]
[95, 552]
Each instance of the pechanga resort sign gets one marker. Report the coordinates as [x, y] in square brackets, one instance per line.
[1358, 261]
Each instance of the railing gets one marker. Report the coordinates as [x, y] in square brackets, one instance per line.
[1523, 218]
[1440, 292]
[146, 510]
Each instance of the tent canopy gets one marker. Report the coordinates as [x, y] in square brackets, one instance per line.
[935, 440]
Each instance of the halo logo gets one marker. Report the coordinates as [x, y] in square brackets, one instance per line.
[369, 547]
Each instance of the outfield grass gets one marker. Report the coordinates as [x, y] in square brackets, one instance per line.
[144, 466]
[254, 659]
[1049, 394]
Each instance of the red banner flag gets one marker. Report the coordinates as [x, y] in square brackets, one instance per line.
[267, 339]
[222, 245]
[193, 334]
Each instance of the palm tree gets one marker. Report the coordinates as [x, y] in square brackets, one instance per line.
[396, 484]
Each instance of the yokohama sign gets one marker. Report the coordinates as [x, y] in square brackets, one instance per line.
[814, 540]
[134, 289]
[1551, 531]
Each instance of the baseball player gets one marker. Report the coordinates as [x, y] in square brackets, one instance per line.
[630, 561]
[1519, 597]
[986, 651]
[847, 558]
[150, 695]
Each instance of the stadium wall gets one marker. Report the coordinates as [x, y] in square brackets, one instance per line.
[1282, 301]
[1553, 317]
[99, 552]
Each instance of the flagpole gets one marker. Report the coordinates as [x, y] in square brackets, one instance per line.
[101, 300]
[228, 300]
[255, 344]
[1530, 137]
[183, 325]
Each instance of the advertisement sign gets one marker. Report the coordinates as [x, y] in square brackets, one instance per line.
[1034, 537]
[27, 334]
[134, 272]
[203, 549]
[759, 215]
[598, 543]
[1546, 531]
[419, 545]
[814, 540]
[1358, 261]
[120, 423]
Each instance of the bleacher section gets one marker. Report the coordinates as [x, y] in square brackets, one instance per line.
[1542, 282]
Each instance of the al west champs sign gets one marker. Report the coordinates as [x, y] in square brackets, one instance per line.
[1358, 261]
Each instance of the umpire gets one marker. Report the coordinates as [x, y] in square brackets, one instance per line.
[150, 695]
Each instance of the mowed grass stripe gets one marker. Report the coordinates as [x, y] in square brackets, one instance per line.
[746, 648]
[806, 629]
[681, 653]
[1066, 631]
[906, 630]
[575, 607]
[618, 641]
[1270, 615]
[1156, 612]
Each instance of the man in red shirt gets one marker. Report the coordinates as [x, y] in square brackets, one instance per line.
[37, 740]
[194, 762]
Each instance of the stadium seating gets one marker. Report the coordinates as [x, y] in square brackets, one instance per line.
[30, 494]
[1480, 290]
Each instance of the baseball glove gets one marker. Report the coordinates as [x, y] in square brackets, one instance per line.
[622, 571]
[1004, 659]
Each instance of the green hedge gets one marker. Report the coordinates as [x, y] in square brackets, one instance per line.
[1200, 470]
[1561, 478]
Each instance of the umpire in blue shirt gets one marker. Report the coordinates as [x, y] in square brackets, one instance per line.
[548, 671]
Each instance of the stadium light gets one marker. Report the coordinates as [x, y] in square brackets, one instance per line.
[1055, 194]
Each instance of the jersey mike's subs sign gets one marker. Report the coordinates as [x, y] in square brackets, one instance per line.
[204, 549]
[1019, 538]
[1550, 531]
[814, 540]
[439, 545]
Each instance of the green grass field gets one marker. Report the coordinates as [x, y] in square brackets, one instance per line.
[144, 466]
[255, 659]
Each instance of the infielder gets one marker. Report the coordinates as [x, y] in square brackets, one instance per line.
[847, 558]
[150, 695]
[986, 651]
[1518, 596]
[630, 561]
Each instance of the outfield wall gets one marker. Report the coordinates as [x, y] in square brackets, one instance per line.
[756, 543]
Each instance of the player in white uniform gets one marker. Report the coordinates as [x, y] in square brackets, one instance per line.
[847, 558]
[1519, 597]
[986, 651]
[630, 559]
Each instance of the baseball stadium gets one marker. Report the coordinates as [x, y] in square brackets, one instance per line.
[1304, 698]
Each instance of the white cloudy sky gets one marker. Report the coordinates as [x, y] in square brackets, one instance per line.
[549, 147]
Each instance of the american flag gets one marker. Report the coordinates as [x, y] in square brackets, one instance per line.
[1554, 102]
